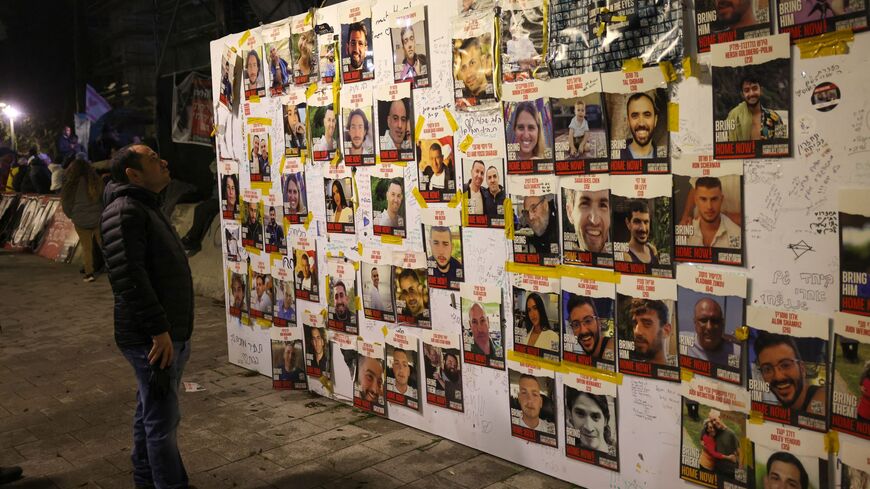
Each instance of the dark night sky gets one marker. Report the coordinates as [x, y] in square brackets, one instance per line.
[36, 56]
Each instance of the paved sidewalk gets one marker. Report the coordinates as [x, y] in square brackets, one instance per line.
[67, 399]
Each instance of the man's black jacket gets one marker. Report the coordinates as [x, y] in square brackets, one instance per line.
[147, 266]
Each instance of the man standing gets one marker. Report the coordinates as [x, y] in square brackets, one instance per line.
[709, 328]
[414, 64]
[782, 368]
[712, 228]
[441, 247]
[586, 326]
[495, 195]
[642, 119]
[357, 46]
[727, 444]
[478, 323]
[439, 174]
[397, 134]
[652, 330]
[475, 191]
[640, 250]
[749, 120]
[340, 301]
[153, 311]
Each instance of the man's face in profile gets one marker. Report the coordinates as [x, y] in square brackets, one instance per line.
[317, 341]
[479, 325]
[411, 291]
[731, 11]
[780, 368]
[586, 327]
[709, 202]
[638, 226]
[642, 120]
[530, 398]
[590, 214]
[408, 45]
[401, 368]
[356, 49]
[471, 70]
[442, 249]
[709, 324]
[783, 475]
[340, 300]
[751, 92]
[397, 122]
[649, 334]
[538, 210]
[371, 382]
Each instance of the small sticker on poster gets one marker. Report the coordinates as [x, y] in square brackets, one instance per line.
[788, 367]
[443, 368]
[752, 101]
[536, 221]
[403, 369]
[580, 135]
[533, 402]
[591, 413]
[537, 326]
[586, 221]
[643, 233]
[482, 325]
[589, 323]
[647, 327]
[442, 240]
[368, 388]
[412, 289]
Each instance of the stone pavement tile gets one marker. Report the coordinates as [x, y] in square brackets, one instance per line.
[45, 466]
[400, 441]
[97, 434]
[10, 456]
[16, 437]
[48, 447]
[352, 459]
[29, 482]
[59, 425]
[304, 476]
[107, 448]
[433, 481]
[121, 460]
[190, 438]
[248, 472]
[80, 476]
[314, 446]
[338, 416]
[122, 480]
[234, 450]
[24, 420]
[415, 464]
[479, 471]
[293, 430]
[529, 479]
[202, 460]
[377, 424]
[366, 479]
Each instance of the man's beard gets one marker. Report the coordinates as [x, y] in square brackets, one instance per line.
[596, 339]
[798, 387]
[650, 352]
[341, 312]
[452, 375]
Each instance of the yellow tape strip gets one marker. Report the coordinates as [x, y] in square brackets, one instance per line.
[688, 67]
[420, 200]
[356, 267]
[264, 323]
[336, 158]
[455, 200]
[309, 92]
[303, 156]
[551, 272]
[508, 219]
[308, 17]
[419, 127]
[390, 239]
[590, 274]
[686, 375]
[450, 119]
[534, 361]
[755, 417]
[464, 209]
[263, 187]
[402, 164]
[466, 143]
[673, 117]
[668, 70]
[254, 99]
[746, 452]
[830, 44]
[244, 38]
[213, 131]
[281, 166]
[263, 121]
[359, 247]
[633, 64]
[832, 442]
[742, 333]
[378, 159]
[308, 219]
[385, 331]
[605, 375]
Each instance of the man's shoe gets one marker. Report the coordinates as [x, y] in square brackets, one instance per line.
[88, 278]
[9, 474]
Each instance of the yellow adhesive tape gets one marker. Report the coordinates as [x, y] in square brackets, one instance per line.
[420, 200]
[668, 70]
[264, 323]
[686, 375]
[673, 117]
[384, 330]
[455, 200]
[359, 247]
[755, 417]
[832, 442]
[390, 239]
[450, 119]
[213, 131]
[534, 361]
[335, 159]
[358, 303]
[323, 312]
[830, 44]
[402, 164]
[745, 452]
[605, 375]
[742, 333]
[303, 156]
[508, 219]
[356, 267]
[244, 38]
[633, 64]
[309, 92]
[466, 143]
[551, 272]
[308, 220]
[281, 166]
[688, 67]
[262, 121]
[254, 99]
[464, 209]
[421, 121]
[590, 274]
[378, 159]
[308, 17]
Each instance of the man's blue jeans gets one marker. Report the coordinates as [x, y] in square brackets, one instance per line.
[156, 460]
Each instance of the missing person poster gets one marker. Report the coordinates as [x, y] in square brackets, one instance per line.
[591, 414]
[288, 359]
[412, 289]
[294, 114]
[237, 283]
[589, 323]
[342, 350]
[586, 221]
[368, 386]
[854, 213]
[436, 166]
[395, 120]
[442, 241]
[276, 237]
[233, 237]
[262, 292]
[536, 316]
[637, 112]
[284, 310]
[342, 299]
[473, 62]
[388, 200]
[714, 419]
[528, 127]
[302, 42]
[305, 269]
[580, 134]
[752, 101]
[443, 368]
[293, 189]
[409, 32]
[643, 237]
[252, 221]
[339, 191]
[260, 155]
[376, 273]
[646, 324]
[813, 18]
[850, 406]
[483, 338]
[710, 305]
[786, 456]
[854, 470]
[533, 403]
[357, 49]
[327, 51]
[708, 225]
[228, 77]
[788, 368]
[403, 369]
[522, 30]
[725, 21]
[484, 179]
[316, 352]
[357, 125]
[276, 44]
[230, 190]
[254, 79]
[323, 129]
[536, 222]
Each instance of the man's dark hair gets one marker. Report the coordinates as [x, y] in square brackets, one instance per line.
[638, 205]
[748, 77]
[637, 96]
[339, 283]
[439, 229]
[407, 273]
[436, 146]
[125, 158]
[397, 181]
[581, 300]
[358, 112]
[358, 27]
[766, 340]
[305, 257]
[708, 182]
[790, 459]
[451, 354]
[481, 164]
[471, 42]
[641, 306]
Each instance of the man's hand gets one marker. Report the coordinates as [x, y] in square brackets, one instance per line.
[161, 351]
